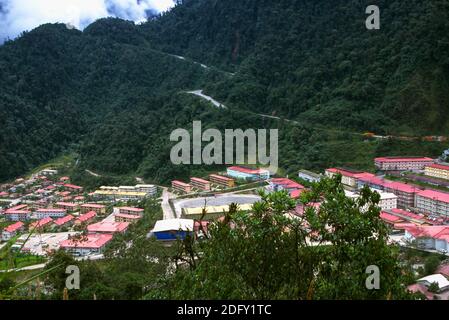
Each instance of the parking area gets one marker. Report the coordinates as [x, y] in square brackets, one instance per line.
[40, 244]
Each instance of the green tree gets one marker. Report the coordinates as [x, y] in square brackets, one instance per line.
[268, 254]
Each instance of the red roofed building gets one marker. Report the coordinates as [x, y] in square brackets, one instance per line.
[222, 181]
[405, 192]
[428, 237]
[17, 215]
[350, 177]
[390, 219]
[11, 231]
[69, 206]
[181, 186]
[98, 208]
[200, 184]
[433, 202]
[106, 227]
[73, 187]
[86, 218]
[64, 221]
[64, 179]
[402, 163]
[4, 194]
[41, 224]
[90, 244]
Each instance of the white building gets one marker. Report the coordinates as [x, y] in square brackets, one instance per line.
[387, 200]
[50, 213]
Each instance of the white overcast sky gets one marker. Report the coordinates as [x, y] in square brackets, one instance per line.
[20, 15]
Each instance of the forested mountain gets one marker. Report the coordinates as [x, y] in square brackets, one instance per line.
[115, 91]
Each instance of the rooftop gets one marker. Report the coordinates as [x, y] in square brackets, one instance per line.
[14, 227]
[64, 220]
[441, 166]
[108, 227]
[87, 216]
[435, 195]
[94, 241]
[247, 170]
[173, 225]
[403, 159]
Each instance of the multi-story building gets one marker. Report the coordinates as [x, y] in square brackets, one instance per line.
[349, 178]
[69, 206]
[405, 192]
[131, 211]
[402, 163]
[372, 182]
[279, 184]
[222, 181]
[181, 186]
[90, 244]
[98, 208]
[437, 170]
[433, 202]
[309, 176]
[11, 231]
[147, 188]
[73, 187]
[40, 224]
[200, 184]
[388, 201]
[106, 227]
[130, 218]
[248, 174]
[18, 215]
[64, 221]
[52, 213]
[86, 218]
[137, 192]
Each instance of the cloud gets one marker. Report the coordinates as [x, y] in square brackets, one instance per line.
[22, 15]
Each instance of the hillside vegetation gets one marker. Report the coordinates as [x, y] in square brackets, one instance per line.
[114, 92]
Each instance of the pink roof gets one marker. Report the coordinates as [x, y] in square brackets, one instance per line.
[403, 187]
[64, 220]
[94, 241]
[50, 210]
[67, 204]
[390, 218]
[2, 194]
[436, 232]
[405, 159]
[72, 186]
[41, 223]
[350, 173]
[128, 216]
[287, 183]
[93, 205]
[87, 216]
[199, 180]
[221, 177]
[444, 270]
[64, 178]
[79, 198]
[296, 193]
[19, 207]
[372, 180]
[435, 195]
[14, 227]
[50, 187]
[406, 214]
[246, 170]
[131, 209]
[17, 212]
[183, 184]
[417, 287]
[108, 227]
